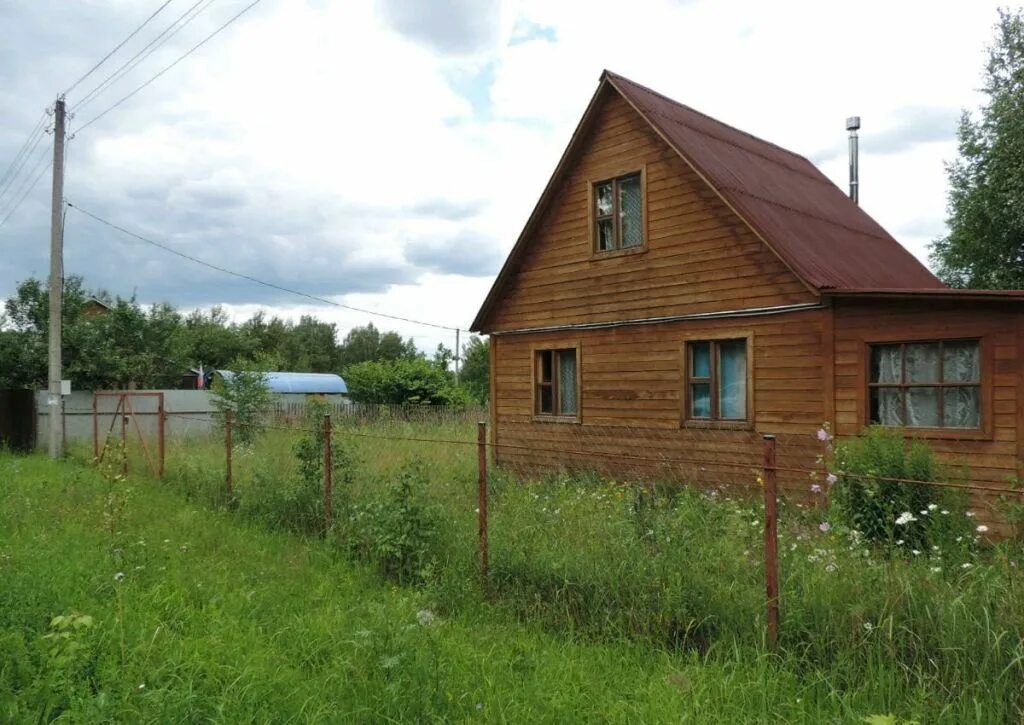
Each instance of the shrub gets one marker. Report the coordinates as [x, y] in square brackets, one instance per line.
[891, 511]
[397, 382]
[398, 531]
[246, 395]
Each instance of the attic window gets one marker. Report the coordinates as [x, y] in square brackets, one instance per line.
[618, 213]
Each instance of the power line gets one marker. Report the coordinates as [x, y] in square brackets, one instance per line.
[315, 298]
[120, 45]
[28, 191]
[169, 32]
[191, 50]
[21, 150]
[19, 167]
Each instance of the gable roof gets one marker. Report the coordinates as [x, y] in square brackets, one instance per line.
[825, 238]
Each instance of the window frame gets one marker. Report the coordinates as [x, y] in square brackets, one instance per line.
[716, 338]
[614, 176]
[555, 347]
[982, 431]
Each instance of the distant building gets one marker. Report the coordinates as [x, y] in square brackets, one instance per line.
[94, 307]
[300, 383]
[278, 382]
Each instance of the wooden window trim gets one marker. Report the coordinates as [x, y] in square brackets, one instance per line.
[555, 346]
[985, 392]
[686, 421]
[614, 175]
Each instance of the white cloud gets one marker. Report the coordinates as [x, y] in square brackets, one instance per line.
[310, 141]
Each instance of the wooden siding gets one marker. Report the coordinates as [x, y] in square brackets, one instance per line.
[699, 256]
[993, 455]
[631, 381]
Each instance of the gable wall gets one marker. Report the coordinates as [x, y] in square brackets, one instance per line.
[700, 256]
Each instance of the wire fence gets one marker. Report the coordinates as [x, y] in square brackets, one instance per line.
[796, 472]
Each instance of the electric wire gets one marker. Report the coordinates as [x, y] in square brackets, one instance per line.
[271, 285]
[120, 45]
[189, 52]
[11, 181]
[22, 150]
[27, 192]
[129, 65]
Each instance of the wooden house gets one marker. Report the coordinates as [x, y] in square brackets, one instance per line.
[683, 287]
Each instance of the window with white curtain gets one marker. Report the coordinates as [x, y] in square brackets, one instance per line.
[556, 383]
[618, 213]
[926, 384]
[716, 380]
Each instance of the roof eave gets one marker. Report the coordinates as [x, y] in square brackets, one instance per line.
[930, 293]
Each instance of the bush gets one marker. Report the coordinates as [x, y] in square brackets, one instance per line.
[890, 511]
[397, 382]
[246, 395]
[399, 531]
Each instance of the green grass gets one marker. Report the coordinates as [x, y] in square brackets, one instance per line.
[604, 604]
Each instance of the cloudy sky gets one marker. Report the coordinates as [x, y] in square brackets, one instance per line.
[386, 153]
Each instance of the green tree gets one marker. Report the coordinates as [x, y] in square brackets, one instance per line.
[209, 339]
[367, 343]
[985, 244]
[475, 374]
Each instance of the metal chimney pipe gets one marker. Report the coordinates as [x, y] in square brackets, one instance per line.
[852, 125]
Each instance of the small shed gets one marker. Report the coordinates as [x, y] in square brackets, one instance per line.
[300, 383]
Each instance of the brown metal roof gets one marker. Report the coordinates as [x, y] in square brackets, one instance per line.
[815, 228]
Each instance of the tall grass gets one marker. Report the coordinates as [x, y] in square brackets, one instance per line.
[677, 572]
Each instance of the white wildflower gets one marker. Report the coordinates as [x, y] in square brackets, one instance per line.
[119, 577]
[981, 528]
[425, 617]
[905, 518]
[932, 506]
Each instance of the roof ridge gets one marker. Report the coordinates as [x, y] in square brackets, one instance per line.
[749, 135]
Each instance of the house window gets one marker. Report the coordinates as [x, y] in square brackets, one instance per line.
[716, 380]
[556, 383]
[619, 213]
[926, 384]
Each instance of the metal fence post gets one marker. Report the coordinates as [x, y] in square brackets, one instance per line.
[228, 483]
[124, 435]
[95, 428]
[481, 446]
[161, 422]
[328, 473]
[771, 541]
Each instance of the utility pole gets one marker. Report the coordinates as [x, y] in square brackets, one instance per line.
[456, 355]
[55, 401]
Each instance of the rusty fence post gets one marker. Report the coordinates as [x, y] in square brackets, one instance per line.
[328, 473]
[161, 422]
[95, 428]
[124, 435]
[481, 447]
[228, 446]
[771, 541]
